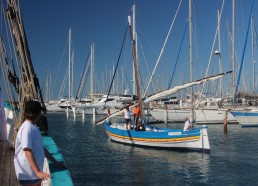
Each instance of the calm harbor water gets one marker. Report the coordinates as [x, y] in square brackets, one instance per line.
[95, 160]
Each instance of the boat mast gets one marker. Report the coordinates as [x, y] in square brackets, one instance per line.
[135, 63]
[113, 87]
[72, 80]
[122, 69]
[252, 24]
[219, 54]
[92, 72]
[135, 43]
[233, 44]
[69, 66]
[191, 57]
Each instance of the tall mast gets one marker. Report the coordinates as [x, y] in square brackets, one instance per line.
[233, 43]
[122, 80]
[135, 42]
[72, 80]
[220, 62]
[92, 71]
[136, 80]
[252, 24]
[113, 73]
[69, 66]
[190, 42]
[191, 55]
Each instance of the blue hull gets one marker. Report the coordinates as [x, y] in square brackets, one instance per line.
[192, 140]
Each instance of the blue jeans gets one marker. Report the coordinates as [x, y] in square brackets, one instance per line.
[29, 182]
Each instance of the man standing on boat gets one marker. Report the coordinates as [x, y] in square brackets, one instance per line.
[136, 114]
[187, 124]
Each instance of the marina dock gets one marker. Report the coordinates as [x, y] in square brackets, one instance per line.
[7, 172]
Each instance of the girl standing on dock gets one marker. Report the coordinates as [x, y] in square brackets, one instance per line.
[29, 150]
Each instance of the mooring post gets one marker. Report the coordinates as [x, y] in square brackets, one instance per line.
[83, 114]
[67, 111]
[225, 122]
[74, 112]
[94, 115]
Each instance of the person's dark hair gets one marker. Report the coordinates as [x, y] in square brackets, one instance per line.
[32, 109]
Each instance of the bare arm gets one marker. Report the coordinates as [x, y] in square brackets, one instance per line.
[51, 158]
[30, 157]
[189, 126]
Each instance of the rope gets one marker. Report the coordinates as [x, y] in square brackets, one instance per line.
[58, 70]
[169, 84]
[243, 54]
[117, 63]
[161, 52]
[212, 49]
[79, 92]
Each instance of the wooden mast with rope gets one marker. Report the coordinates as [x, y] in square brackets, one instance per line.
[135, 62]
[29, 88]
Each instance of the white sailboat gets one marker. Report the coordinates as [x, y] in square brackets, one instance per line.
[246, 118]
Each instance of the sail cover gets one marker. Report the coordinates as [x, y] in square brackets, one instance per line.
[173, 90]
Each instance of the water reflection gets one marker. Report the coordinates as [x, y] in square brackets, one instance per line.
[95, 160]
[161, 163]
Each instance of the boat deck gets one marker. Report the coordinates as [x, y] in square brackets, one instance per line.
[7, 172]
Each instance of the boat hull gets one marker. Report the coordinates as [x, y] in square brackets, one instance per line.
[193, 140]
[216, 116]
[246, 118]
[170, 115]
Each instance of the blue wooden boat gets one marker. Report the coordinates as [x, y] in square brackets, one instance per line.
[195, 139]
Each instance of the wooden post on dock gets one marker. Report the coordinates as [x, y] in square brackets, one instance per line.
[74, 112]
[94, 115]
[83, 114]
[225, 122]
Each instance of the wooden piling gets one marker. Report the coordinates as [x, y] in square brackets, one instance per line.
[225, 122]
[74, 113]
[83, 115]
[67, 111]
[94, 115]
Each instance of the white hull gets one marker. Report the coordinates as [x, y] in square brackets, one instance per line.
[89, 110]
[210, 116]
[170, 115]
[113, 102]
[54, 108]
[246, 118]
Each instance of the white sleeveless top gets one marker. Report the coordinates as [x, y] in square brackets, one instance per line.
[127, 114]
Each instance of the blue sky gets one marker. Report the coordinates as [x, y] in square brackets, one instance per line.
[104, 23]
